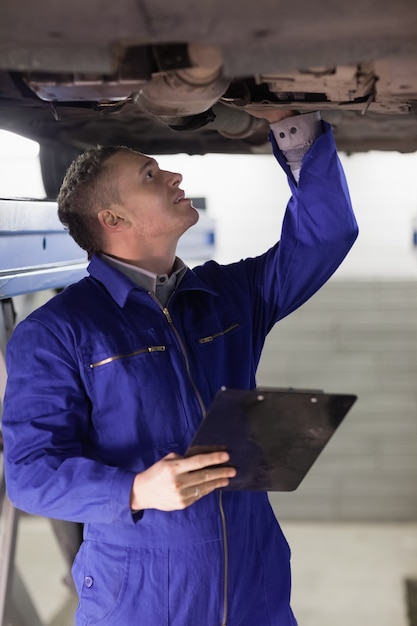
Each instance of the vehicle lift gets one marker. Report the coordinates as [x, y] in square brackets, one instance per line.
[38, 255]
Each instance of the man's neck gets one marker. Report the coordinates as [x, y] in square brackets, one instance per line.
[152, 264]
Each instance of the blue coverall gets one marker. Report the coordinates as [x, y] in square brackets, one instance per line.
[103, 382]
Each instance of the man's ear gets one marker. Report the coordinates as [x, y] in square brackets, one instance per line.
[111, 220]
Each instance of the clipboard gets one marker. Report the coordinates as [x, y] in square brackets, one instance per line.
[273, 436]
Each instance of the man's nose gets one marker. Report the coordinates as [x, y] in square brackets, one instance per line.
[175, 178]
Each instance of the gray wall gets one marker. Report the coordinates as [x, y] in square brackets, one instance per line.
[355, 337]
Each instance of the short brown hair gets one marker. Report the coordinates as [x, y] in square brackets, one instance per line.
[84, 190]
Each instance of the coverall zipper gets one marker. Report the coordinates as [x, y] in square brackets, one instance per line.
[225, 559]
[221, 509]
[117, 357]
[187, 364]
[213, 337]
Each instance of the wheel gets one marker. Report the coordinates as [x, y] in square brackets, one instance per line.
[55, 160]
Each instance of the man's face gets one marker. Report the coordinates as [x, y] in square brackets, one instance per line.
[151, 200]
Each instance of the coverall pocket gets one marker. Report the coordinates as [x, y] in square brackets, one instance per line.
[132, 377]
[121, 586]
[101, 573]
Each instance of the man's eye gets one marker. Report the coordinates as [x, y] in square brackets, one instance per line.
[149, 174]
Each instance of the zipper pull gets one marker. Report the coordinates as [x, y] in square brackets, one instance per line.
[167, 315]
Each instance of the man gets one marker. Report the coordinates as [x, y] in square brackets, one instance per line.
[109, 380]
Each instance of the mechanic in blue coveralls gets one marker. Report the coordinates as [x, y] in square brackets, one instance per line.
[109, 380]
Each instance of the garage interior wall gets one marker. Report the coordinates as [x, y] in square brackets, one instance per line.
[355, 337]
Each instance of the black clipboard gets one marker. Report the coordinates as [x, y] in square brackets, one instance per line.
[273, 435]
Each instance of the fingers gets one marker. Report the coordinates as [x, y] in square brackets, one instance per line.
[200, 483]
[271, 115]
[211, 475]
[199, 475]
[199, 461]
[196, 492]
[175, 482]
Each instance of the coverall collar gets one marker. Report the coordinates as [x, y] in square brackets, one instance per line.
[120, 286]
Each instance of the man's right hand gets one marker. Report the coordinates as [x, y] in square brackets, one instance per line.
[271, 115]
[175, 482]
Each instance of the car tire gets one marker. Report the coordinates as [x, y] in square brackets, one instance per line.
[55, 160]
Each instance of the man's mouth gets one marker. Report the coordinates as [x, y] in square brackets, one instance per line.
[180, 197]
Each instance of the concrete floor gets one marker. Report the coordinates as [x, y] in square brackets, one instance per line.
[343, 574]
[351, 574]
